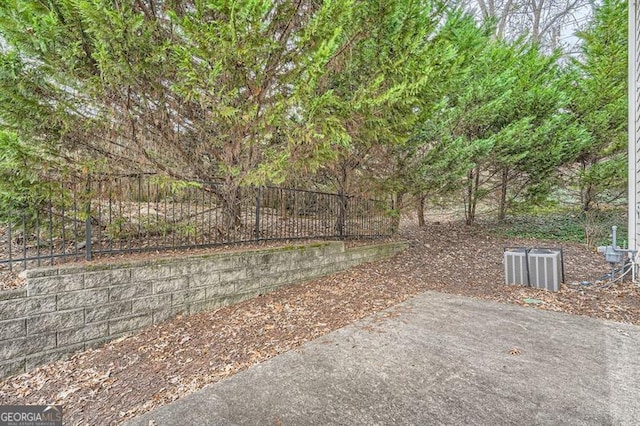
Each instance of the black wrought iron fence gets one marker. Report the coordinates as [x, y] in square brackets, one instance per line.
[148, 213]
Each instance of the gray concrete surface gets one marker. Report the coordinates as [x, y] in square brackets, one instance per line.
[436, 359]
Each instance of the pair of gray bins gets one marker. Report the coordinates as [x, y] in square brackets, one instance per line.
[536, 267]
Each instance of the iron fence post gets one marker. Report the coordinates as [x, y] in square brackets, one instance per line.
[87, 247]
[342, 215]
[257, 229]
[87, 223]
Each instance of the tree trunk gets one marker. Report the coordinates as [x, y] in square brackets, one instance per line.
[231, 206]
[502, 211]
[586, 195]
[535, 26]
[420, 205]
[471, 201]
[341, 217]
[586, 189]
[467, 198]
[398, 206]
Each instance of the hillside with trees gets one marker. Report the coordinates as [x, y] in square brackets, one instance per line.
[410, 100]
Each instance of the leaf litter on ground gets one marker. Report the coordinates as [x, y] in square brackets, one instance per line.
[130, 376]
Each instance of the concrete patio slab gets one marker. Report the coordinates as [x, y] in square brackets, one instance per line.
[436, 359]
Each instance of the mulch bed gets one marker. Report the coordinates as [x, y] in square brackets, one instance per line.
[133, 375]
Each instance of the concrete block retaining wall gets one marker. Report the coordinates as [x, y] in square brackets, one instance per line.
[71, 308]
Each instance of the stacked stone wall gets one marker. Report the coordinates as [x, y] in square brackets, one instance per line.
[71, 308]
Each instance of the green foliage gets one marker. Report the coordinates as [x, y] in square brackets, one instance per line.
[167, 186]
[147, 225]
[242, 90]
[399, 96]
[564, 226]
[21, 189]
[497, 125]
[428, 159]
[599, 103]
[382, 89]
[590, 228]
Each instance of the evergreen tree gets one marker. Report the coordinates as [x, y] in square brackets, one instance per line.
[245, 91]
[599, 104]
[500, 124]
